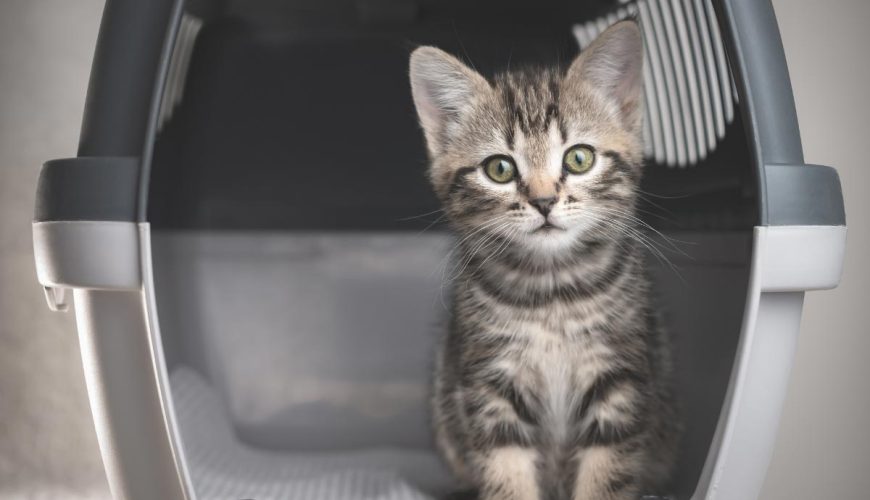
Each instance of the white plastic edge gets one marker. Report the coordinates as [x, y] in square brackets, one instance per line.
[108, 266]
[802, 258]
[786, 261]
[102, 255]
[161, 370]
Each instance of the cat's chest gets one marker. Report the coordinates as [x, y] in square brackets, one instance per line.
[558, 370]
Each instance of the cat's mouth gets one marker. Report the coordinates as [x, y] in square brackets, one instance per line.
[548, 227]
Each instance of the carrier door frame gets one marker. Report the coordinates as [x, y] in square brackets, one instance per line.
[798, 246]
[91, 237]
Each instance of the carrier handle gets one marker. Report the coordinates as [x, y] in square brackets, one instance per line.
[86, 237]
[805, 237]
[84, 230]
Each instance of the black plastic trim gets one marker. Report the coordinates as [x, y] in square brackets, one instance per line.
[805, 195]
[95, 189]
[121, 87]
[810, 195]
[157, 99]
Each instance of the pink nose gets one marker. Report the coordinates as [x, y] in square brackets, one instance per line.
[544, 205]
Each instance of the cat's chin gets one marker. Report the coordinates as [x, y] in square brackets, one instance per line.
[549, 241]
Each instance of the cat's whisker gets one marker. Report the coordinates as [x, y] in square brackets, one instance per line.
[431, 224]
[661, 196]
[458, 268]
[457, 245]
[652, 203]
[629, 216]
[412, 217]
[660, 217]
[670, 240]
[501, 248]
[485, 242]
[652, 246]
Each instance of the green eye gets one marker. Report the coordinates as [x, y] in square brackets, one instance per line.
[500, 169]
[579, 159]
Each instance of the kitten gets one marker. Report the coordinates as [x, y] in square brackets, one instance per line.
[552, 380]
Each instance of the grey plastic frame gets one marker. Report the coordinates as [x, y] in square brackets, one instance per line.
[141, 451]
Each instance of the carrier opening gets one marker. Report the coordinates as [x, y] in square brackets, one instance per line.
[301, 294]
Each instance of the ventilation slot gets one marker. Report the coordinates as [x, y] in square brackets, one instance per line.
[689, 91]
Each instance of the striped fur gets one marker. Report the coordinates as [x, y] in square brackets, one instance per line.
[551, 382]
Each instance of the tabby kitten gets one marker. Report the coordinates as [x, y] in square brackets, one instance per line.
[552, 380]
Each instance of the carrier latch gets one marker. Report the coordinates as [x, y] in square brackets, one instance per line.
[56, 298]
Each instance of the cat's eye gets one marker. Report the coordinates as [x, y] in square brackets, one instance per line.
[500, 169]
[579, 159]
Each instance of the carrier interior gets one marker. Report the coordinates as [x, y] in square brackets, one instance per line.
[299, 265]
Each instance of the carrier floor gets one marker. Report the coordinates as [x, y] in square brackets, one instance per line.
[224, 468]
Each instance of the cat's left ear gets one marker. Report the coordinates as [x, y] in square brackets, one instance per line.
[613, 63]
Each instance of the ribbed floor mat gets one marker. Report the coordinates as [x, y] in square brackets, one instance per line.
[223, 468]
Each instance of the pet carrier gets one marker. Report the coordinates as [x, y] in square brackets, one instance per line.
[257, 302]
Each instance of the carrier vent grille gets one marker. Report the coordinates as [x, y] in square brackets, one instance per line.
[689, 91]
[179, 63]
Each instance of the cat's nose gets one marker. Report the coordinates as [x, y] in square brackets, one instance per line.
[544, 205]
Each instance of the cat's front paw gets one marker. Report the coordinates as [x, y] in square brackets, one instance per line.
[509, 473]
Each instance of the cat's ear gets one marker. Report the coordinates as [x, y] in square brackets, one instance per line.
[613, 64]
[443, 89]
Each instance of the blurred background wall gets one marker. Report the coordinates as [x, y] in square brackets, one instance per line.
[47, 445]
[48, 449]
[823, 447]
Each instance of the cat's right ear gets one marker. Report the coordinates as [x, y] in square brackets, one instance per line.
[443, 89]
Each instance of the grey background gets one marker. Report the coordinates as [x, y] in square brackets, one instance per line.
[47, 443]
